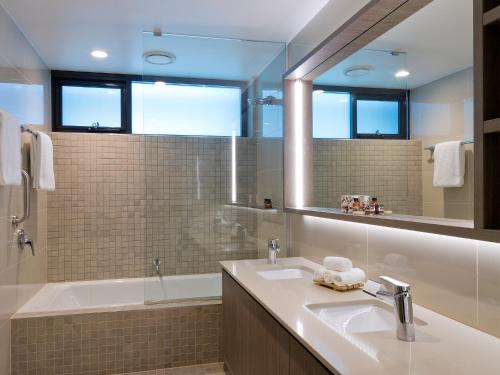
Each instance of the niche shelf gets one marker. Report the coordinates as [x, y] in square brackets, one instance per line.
[492, 126]
[492, 16]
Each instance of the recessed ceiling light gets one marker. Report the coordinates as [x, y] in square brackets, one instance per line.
[319, 91]
[99, 54]
[358, 70]
[402, 73]
[159, 57]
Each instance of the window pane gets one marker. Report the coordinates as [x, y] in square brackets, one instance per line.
[83, 106]
[185, 109]
[377, 115]
[272, 118]
[331, 114]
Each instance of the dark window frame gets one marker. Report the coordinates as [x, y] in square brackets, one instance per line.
[87, 79]
[368, 93]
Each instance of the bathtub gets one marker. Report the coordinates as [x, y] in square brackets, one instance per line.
[127, 293]
[106, 327]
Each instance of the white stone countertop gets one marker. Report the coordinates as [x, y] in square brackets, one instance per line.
[442, 346]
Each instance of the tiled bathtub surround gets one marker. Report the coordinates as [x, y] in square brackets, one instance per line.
[117, 342]
[390, 170]
[455, 277]
[123, 200]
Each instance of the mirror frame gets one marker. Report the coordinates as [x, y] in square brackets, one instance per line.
[373, 20]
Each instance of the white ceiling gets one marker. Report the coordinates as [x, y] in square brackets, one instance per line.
[438, 41]
[64, 32]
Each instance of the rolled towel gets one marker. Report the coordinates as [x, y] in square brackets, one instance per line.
[354, 276]
[338, 264]
[319, 274]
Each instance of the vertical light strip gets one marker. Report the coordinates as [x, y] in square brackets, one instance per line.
[233, 167]
[198, 177]
[298, 124]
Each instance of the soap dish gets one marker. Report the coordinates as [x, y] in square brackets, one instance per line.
[339, 288]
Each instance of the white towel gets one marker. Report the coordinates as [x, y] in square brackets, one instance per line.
[337, 264]
[10, 150]
[449, 164]
[42, 162]
[354, 276]
[319, 274]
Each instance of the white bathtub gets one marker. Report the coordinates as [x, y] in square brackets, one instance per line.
[102, 294]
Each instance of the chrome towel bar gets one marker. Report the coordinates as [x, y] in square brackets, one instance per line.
[27, 209]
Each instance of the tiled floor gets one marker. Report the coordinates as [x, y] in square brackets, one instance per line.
[208, 369]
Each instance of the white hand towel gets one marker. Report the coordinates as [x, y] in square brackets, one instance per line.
[337, 264]
[449, 164]
[42, 162]
[319, 274]
[10, 150]
[354, 276]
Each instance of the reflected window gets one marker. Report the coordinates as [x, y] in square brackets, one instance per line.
[186, 109]
[331, 114]
[272, 115]
[377, 117]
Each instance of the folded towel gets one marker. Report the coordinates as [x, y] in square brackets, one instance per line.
[354, 276]
[449, 164]
[10, 150]
[319, 274]
[339, 264]
[42, 163]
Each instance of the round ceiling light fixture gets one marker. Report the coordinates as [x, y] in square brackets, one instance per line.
[159, 57]
[402, 73]
[99, 54]
[358, 70]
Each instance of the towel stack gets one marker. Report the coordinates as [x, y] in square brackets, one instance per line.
[339, 271]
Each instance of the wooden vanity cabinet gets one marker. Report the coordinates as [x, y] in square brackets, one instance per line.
[255, 343]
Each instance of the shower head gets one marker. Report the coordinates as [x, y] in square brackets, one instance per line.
[268, 100]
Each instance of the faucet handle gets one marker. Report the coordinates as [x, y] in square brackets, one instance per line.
[274, 244]
[399, 286]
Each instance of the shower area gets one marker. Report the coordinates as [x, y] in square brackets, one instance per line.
[209, 111]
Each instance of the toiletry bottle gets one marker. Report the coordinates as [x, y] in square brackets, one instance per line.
[374, 207]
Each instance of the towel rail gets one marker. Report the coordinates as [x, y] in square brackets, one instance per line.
[25, 129]
[27, 209]
[433, 147]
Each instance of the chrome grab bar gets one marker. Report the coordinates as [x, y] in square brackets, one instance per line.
[27, 209]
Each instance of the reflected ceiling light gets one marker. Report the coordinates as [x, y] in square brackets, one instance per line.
[319, 91]
[159, 57]
[402, 73]
[99, 54]
[160, 83]
[358, 70]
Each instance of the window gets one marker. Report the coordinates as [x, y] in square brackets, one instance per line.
[351, 112]
[184, 109]
[100, 102]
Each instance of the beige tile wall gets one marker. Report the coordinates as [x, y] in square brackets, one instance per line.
[442, 111]
[117, 342]
[390, 170]
[123, 200]
[456, 277]
[21, 274]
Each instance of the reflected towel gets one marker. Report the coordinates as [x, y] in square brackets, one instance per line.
[449, 164]
[354, 276]
[42, 162]
[10, 150]
[339, 264]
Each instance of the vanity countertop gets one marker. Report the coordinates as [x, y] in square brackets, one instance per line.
[442, 346]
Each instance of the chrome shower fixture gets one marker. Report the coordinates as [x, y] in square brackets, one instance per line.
[268, 100]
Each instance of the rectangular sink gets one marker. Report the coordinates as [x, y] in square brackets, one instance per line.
[357, 317]
[286, 273]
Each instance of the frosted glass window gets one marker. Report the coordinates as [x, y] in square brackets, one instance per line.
[84, 106]
[180, 109]
[331, 114]
[377, 115]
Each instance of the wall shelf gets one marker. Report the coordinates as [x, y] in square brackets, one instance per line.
[492, 16]
[260, 210]
[492, 126]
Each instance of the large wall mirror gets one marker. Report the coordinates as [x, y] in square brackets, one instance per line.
[391, 123]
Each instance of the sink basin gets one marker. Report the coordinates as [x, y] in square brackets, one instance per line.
[357, 317]
[285, 273]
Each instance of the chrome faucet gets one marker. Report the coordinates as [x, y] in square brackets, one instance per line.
[273, 249]
[403, 307]
[156, 265]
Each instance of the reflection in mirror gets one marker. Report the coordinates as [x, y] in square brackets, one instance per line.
[384, 119]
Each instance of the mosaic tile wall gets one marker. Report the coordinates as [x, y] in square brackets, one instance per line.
[391, 170]
[123, 200]
[117, 342]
